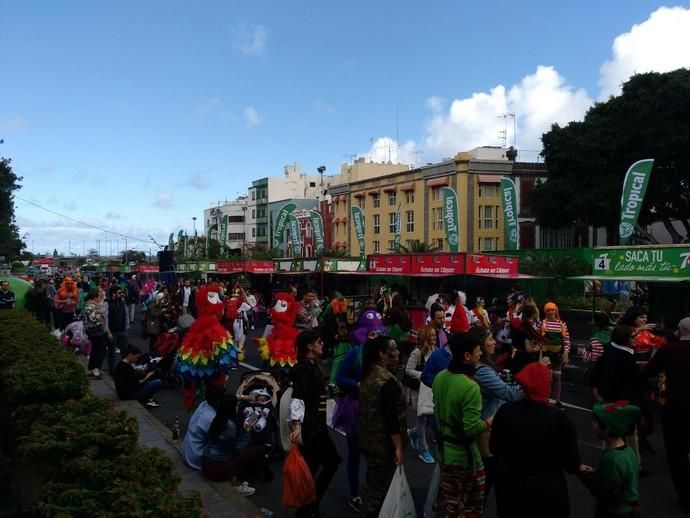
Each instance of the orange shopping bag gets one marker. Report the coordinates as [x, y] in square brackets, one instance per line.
[298, 483]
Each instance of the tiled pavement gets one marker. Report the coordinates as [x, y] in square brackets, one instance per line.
[220, 499]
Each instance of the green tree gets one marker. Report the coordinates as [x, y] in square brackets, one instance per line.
[10, 243]
[587, 160]
[555, 269]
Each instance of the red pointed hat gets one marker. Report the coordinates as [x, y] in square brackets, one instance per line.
[535, 380]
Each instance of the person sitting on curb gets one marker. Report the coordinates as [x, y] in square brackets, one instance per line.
[196, 438]
[132, 383]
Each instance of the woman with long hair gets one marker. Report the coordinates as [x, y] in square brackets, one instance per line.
[94, 323]
[526, 340]
[556, 347]
[307, 416]
[224, 458]
[418, 395]
[381, 420]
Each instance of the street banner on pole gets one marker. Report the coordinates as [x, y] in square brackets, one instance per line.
[281, 223]
[634, 188]
[450, 217]
[208, 236]
[358, 223]
[295, 235]
[223, 235]
[396, 239]
[511, 204]
[317, 225]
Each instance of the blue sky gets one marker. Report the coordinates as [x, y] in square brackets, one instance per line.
[135, 116]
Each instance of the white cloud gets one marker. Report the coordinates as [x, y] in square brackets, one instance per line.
[252, 117]
[250, 40]
[16, 124]
[164, 200]
[659, 44]
[539, 100]
[207, 106]
[198, 181]
[386, 149]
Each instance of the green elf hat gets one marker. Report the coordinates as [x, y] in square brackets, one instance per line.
[617, 417]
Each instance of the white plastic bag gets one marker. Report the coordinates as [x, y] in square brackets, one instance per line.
[399, 502]
[432, 493]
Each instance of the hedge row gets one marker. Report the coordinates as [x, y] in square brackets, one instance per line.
[85, 449]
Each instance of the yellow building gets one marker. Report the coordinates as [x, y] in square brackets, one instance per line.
[475, 177]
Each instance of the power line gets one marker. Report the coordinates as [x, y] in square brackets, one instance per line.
[82, 222]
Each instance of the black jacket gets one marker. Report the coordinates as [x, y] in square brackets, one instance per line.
[309, 385]
[617, 376]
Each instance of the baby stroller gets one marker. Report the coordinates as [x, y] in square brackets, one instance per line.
[257, 394]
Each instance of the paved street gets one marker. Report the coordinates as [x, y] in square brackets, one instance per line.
[656, 491]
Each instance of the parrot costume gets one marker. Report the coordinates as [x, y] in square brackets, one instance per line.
[279, 346]
[207, 351]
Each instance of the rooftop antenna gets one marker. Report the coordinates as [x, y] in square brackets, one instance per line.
[397, 133]
[503, 134]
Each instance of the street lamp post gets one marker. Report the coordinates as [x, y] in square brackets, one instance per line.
[194, 232]
[244, 230]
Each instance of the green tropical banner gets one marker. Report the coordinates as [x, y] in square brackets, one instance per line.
[396, 239]
[208, 236]
[510, 202]
[295, 235]
[358, 223]
[281, 223]
[450, 217]
[223, 235]
[634, 188]
[317, 224]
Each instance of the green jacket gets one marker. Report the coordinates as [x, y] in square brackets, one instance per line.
[458, 407]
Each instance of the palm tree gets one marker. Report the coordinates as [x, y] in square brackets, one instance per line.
[417, 247]
[553, 268]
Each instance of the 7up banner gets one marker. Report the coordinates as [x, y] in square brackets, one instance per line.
[281, 223]
[223, 235]
[634, 188]
[510, 202]
[396, 238]
[295, 235]
[450, 217]
[358, 224]
[317, 225]
[629, 263]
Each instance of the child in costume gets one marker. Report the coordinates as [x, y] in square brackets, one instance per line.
[75, 336]
[615, 483]
[207, 351]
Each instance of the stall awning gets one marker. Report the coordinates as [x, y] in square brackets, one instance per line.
[650, 278]
[507, 275]
[407, 187]
[489, 178]
[438, 182]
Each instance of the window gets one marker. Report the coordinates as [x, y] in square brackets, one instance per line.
[438, 218]
[435, 193]
[312, 184]
[391, 199]
[391, 222]
[208, 223]
[253, 213]
[377, 247]
[488, 190]
[253, 231]
[377, 224]
[238, 236]
[497, 211]
[377, 200]
[409, 196]
[489, 244]
[362, 203]
[409, 217]
[307, 231]
[488, 216]
[253, 195]
[236, 219]
[439, 243]
[391, 244]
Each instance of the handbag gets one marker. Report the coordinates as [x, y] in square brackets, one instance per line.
[398, 502]
[409, 381]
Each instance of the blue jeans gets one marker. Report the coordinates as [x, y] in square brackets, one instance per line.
[147, 391]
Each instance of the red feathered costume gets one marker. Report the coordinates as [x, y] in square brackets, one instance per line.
[207, 351]
[279, 347]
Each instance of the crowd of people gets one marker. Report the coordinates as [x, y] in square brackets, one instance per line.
[476, 391]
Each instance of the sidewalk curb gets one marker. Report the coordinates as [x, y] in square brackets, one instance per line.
[220, 499]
